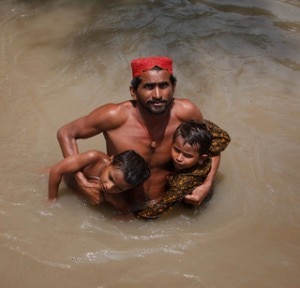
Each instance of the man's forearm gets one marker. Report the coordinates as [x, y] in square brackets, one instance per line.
[215, 163]
[67, 143]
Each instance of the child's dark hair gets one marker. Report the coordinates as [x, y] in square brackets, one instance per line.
[134, 167]
[195, 133]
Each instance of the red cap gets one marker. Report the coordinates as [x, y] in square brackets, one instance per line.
[140, 65]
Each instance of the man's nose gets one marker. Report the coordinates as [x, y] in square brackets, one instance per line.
[156, 93]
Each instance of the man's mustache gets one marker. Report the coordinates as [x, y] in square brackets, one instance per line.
[157, 101]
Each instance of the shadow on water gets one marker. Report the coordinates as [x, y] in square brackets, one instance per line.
[152, 27]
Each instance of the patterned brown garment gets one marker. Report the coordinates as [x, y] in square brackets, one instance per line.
[183, 182]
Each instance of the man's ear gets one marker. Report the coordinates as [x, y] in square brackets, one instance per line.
[132, 92]
[174, 88]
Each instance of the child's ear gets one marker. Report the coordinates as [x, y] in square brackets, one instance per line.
[202, 158]
[110, 158]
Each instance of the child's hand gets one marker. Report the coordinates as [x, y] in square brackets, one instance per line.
[52, 200]
[89, 189]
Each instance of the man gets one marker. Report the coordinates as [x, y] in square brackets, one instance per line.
[145, 124]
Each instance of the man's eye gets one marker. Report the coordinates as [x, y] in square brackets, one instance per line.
[163, 85]
[149, 86]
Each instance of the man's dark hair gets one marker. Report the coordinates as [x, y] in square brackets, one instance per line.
[134, 167]
[195, 133]
[136, 81]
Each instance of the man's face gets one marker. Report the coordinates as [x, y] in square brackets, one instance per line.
[155, 92]
[112, 180]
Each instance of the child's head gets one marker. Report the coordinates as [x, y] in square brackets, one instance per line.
[134, 167]
[126, 170]
[191, 142]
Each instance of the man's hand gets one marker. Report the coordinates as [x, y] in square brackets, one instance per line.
[89, 189]
[198, 194]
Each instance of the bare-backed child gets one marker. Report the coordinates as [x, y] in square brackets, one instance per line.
[193, 146]
[112, 174]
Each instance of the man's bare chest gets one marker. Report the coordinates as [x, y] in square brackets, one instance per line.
[156, 151]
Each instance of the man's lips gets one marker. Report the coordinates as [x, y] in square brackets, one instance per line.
[157, 103]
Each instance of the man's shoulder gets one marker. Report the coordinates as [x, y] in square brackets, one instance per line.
[111, 115]
[114, 108]
[184, 102]
[185, 109]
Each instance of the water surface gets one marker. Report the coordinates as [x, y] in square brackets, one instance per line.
[237, 60]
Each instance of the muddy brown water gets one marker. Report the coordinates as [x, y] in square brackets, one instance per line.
[237, 60]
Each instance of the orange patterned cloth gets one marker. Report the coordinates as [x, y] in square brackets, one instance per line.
[183, 182]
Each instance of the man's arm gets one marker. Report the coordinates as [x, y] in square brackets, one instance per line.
[187, 110]
[81, 128]
[104, 118]
[221, 140]
[200, 192]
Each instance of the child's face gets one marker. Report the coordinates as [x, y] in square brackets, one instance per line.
[184, 155]
[112, 180]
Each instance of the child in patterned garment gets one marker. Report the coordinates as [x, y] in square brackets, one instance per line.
[193, 146]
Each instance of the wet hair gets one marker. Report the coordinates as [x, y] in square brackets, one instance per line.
[136, 81]
[134, 167]
[194, 133]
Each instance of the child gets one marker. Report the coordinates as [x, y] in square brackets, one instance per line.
[193, 146]
[114, 174]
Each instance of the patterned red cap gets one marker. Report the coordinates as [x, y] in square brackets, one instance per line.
[140, 65]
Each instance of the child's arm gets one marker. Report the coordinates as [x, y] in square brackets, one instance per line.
[221, 138]
[165, 204]
[70, 164]
[179, 186]
[173, 196]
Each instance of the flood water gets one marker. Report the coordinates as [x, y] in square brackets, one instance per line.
[237, 60]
